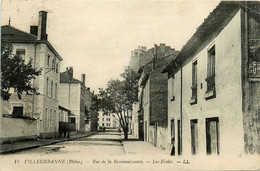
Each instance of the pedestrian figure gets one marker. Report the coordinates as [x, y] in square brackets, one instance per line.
[173, 147]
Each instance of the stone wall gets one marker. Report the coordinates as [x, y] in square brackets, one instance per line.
[17, 129]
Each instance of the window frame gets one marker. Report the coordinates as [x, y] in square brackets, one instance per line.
[211, 69]
[194, 86]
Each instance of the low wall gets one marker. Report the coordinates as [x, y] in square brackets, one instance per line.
[17, 129]
[161, 136]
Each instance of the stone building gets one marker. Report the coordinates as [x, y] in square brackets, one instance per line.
[214, 88]
[44, 105]
[153, 96]
[75, 96]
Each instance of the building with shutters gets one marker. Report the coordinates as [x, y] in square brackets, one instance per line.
[42, 106]
[214, 85]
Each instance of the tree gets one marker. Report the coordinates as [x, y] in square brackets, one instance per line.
[95, 104]
[119, 96]
[15, 73]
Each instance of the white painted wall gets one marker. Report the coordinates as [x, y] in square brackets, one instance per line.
[228, 102]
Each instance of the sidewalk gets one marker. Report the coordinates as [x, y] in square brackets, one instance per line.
[25, 145]
[135, 146]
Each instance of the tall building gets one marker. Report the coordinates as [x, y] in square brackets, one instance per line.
[152, 107]
[76, 97]
[44, 105]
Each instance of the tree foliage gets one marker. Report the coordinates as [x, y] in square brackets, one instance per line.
[15, 73]
[119, 96]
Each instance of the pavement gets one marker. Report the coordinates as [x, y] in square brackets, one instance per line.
[25, 145]
[138, 147]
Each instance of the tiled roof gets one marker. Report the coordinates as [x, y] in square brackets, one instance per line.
[12, 34]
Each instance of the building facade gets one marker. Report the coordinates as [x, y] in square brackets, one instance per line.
[153, 96]
[213, 96]
[74, 96]
[44, 105]
[107, 120]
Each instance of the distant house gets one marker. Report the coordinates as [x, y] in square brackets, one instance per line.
[108, 120]
[153, 113]
[214, 85]
[42, 106]
[76, 97]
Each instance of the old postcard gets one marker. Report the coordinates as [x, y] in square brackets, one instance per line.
[130, 85]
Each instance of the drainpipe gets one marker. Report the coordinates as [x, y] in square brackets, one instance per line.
[34, 64]
[181, 112]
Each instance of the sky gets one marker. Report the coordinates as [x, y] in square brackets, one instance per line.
[97, 37]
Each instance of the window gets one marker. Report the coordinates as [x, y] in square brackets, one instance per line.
[50, 119]
[54, 117]
[212, 135]
[103, 124]
[72, 120]
[45, 120]
[102, 119]
[57, 68]
[211, 73]
[53, 65]
[21, 53]
[47, 86]
[48, 60]
[194, 136]
[172, 97]
[51, 88]
[56, 91]
[17, 111]
[194, 83]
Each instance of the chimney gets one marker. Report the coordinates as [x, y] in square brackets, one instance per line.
[34, 30]
[83, 76]
[143, 48]
[155, 51]
[162, 46]
[42, 26]
[70, 73]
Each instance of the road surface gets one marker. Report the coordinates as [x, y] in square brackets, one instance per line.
[108, 143]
